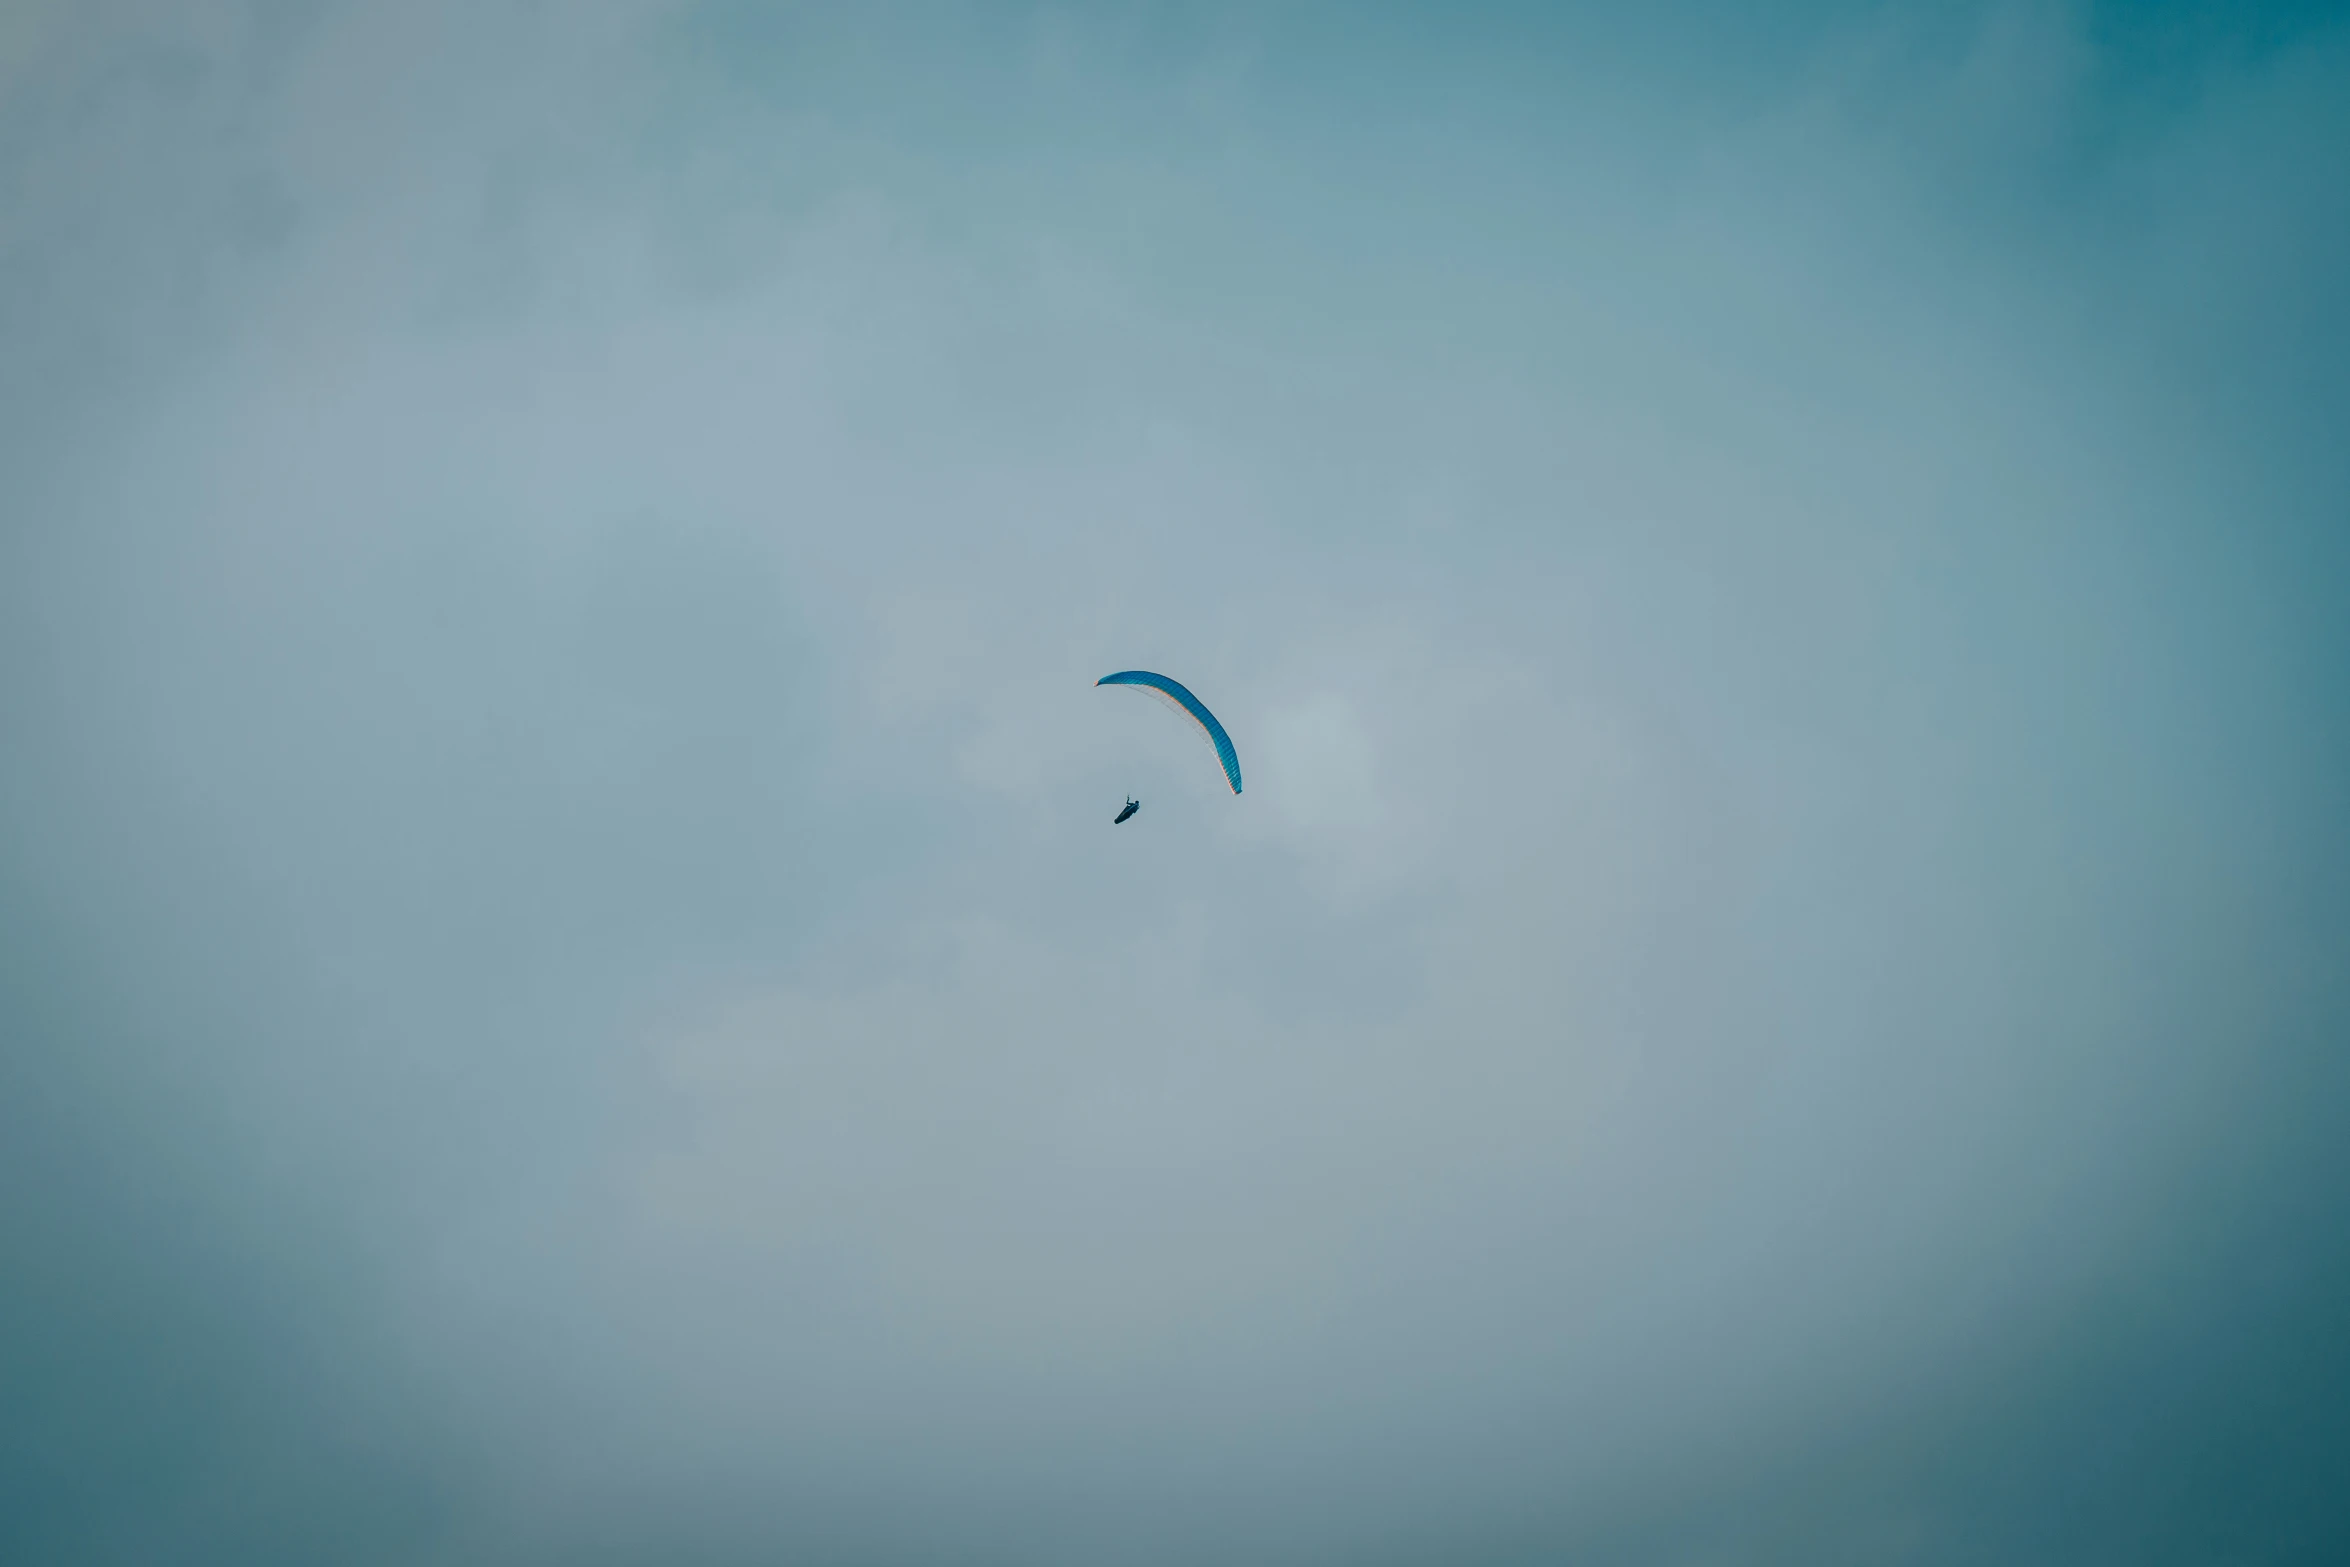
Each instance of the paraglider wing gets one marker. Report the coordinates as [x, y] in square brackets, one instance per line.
[1173, 693]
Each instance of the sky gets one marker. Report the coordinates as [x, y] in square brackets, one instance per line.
[1779, 989]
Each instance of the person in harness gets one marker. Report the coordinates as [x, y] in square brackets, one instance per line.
[1132, 805]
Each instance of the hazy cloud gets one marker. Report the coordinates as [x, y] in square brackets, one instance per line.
[568, 989]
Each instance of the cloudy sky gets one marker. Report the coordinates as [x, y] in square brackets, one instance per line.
[1779, 991]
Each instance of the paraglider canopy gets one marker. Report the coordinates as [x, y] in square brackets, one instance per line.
[1174, 694]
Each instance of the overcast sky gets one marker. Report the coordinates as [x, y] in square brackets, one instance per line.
[1780, 989]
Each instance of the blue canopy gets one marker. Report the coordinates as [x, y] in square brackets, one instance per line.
[1172, 692]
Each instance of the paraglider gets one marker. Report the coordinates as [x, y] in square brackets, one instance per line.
[1132, 805]
[1174, 694]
